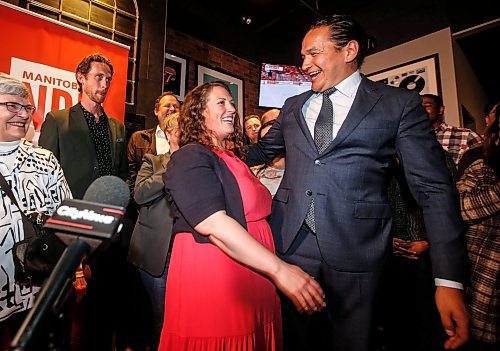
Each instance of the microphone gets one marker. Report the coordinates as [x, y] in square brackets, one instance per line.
[109, 190]
[83, 225]
[95, 218]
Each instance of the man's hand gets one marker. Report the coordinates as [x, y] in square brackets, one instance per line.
[454, 316]
[409, 249]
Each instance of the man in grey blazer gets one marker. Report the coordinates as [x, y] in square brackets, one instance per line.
[151, 239]
[89, 144]
[331, 214]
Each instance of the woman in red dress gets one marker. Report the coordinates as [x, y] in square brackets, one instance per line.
[221, 286]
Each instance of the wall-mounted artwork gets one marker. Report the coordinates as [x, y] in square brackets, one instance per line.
[175, 75]
[421, 75]
[206, 74]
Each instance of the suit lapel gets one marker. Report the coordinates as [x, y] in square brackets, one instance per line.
[113, 136]
[153, 141]
[366, 97]
[301, 120]
[79, 123]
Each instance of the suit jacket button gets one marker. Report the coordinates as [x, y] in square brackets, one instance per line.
[309, 192]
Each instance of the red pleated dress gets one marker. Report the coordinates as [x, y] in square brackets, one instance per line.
[214, 303]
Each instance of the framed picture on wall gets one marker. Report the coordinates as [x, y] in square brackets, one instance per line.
[421, 75]
[206, 74]
[175, 75]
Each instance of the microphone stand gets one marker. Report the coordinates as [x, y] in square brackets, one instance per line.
[52, 296]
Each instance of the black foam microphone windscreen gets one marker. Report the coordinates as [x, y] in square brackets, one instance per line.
[83, 225]
[109, 190]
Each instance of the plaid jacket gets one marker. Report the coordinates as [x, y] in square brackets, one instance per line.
[479, 189]
[456, 140]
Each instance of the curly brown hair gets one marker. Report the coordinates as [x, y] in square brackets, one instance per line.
[192, 122]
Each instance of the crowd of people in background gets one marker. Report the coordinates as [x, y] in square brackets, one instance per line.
[353, 218]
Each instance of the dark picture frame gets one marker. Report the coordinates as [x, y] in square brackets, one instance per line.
[175, 75]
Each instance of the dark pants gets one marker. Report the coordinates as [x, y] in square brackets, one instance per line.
[346, 323]
[115, 311]
[410, 311]
[96, 316]
[155, 287]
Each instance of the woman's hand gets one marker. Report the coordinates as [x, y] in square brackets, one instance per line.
[305, 292]
[228, 235]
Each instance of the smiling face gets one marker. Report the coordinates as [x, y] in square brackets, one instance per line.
[167, 105]
[324, 62]
[219, 114]
[95, 83]
[13, 125]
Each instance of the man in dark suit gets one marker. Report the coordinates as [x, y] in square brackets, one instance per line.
[89, 144]
[331, 214]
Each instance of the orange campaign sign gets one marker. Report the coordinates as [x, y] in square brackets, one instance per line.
[44, 54]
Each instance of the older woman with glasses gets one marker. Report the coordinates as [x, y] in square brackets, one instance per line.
[38, 185]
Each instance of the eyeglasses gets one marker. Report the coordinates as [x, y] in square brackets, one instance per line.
[16, 107]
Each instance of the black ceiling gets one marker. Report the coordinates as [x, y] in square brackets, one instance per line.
[277, 27]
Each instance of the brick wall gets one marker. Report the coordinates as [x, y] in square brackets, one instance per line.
[199, 52]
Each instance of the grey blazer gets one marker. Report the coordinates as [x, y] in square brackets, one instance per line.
[152, 233]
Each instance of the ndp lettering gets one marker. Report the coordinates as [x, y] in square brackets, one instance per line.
[49, 80]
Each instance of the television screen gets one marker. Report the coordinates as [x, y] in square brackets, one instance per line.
[279, 82]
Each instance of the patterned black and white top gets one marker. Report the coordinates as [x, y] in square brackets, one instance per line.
[38, 183]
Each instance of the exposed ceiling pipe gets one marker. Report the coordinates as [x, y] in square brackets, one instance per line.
[282, 16]
[315, 10]
[476, 29]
